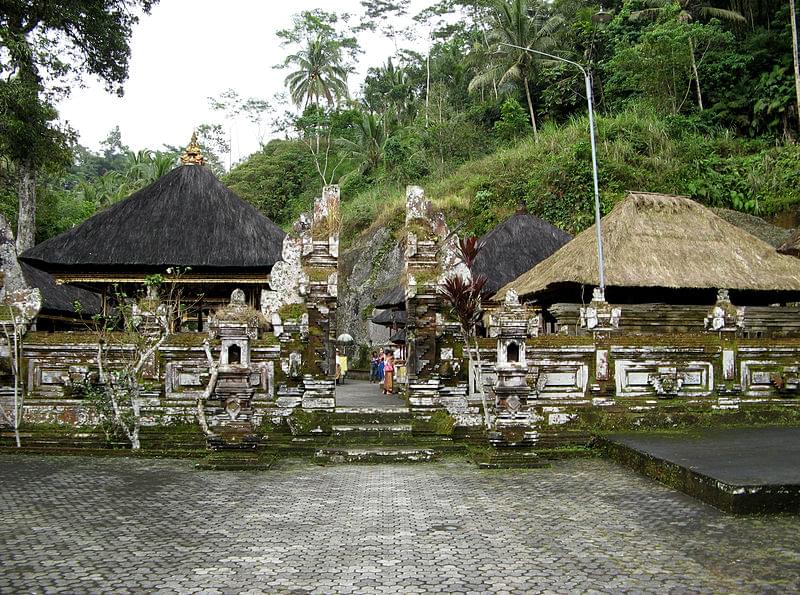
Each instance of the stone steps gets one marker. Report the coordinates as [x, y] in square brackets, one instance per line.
[361, 455]
[345, 416]
[371, 430]
[235, 460]
[511, 458]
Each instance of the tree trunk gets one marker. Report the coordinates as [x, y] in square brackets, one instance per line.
[427, 87]
[793, 16]
[530, 108]
[26, 217]
[477, 366]
[17, 396]
[212, 384]
[696, 75]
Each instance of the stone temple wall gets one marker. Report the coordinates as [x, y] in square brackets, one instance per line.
[539, 384]
[536, 385]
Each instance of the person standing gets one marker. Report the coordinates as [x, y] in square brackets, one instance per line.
[381, 363]
[373, 367]
[388, 370]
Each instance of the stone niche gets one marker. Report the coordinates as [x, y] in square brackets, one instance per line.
[511, 324]
[230, 407]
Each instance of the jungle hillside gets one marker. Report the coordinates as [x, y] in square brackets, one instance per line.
[476, 105]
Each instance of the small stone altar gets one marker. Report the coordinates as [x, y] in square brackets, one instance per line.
[229, 409]
[512, 324]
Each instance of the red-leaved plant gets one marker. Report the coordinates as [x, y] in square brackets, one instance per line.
[464, 297]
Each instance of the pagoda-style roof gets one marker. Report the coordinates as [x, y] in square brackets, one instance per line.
[187, 218]
[514, 246]
[393, 298]
[61, 300]
[391, 318]
[660, 241]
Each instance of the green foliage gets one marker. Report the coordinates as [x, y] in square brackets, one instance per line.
[28, 129]
[659, 66]
[513, 121]
[404, 157]
[320, 63]
[638, 149]
[452, 118]
[292, 311]
[280, 180]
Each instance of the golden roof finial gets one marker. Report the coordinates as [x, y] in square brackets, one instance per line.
[192, 155]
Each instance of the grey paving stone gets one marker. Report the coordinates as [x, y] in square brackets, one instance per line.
[117, 525]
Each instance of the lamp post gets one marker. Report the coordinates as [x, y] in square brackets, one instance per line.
[599, 17]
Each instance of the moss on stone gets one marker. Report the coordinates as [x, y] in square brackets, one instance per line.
[266, 339]
[292, 311]
[440, 423]
[421, 228]
[304, 422]
[318, 274]
[187, 340]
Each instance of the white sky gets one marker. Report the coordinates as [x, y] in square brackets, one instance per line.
[189, 50]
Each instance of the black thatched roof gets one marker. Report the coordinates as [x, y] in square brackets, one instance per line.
[514, 247]
[60, 299]
[391, 317]
[185, 218]
[509, 250]
[393, 298]
[398, 338]
[792, 245]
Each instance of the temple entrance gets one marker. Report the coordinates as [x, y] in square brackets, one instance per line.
[369, 380]
[363, 394]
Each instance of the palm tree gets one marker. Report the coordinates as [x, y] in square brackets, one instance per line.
[366, 151]
[527, 25]
[690, 10]
[320, 73]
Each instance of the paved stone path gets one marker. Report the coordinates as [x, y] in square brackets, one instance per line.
[361, 394]
[129, 525]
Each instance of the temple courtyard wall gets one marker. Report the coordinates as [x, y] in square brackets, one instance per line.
[575, 386]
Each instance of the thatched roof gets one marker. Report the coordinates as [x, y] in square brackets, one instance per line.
[391, 317]
[398, 338]
[654, 240]
[392, 298]
[515, 246]
[792, 245]
[771, 234]
[60, 299]
[185, 218]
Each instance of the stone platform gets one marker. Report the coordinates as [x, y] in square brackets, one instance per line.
[740, 470]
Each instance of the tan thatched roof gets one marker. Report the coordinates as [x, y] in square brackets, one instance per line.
[654, 240]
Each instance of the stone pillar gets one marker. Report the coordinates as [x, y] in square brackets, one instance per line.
[320, 260]
[727, 320]
[423, 302]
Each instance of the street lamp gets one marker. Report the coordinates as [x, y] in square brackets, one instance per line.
[601, 17]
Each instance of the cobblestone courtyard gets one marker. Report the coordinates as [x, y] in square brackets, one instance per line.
[134, 525]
